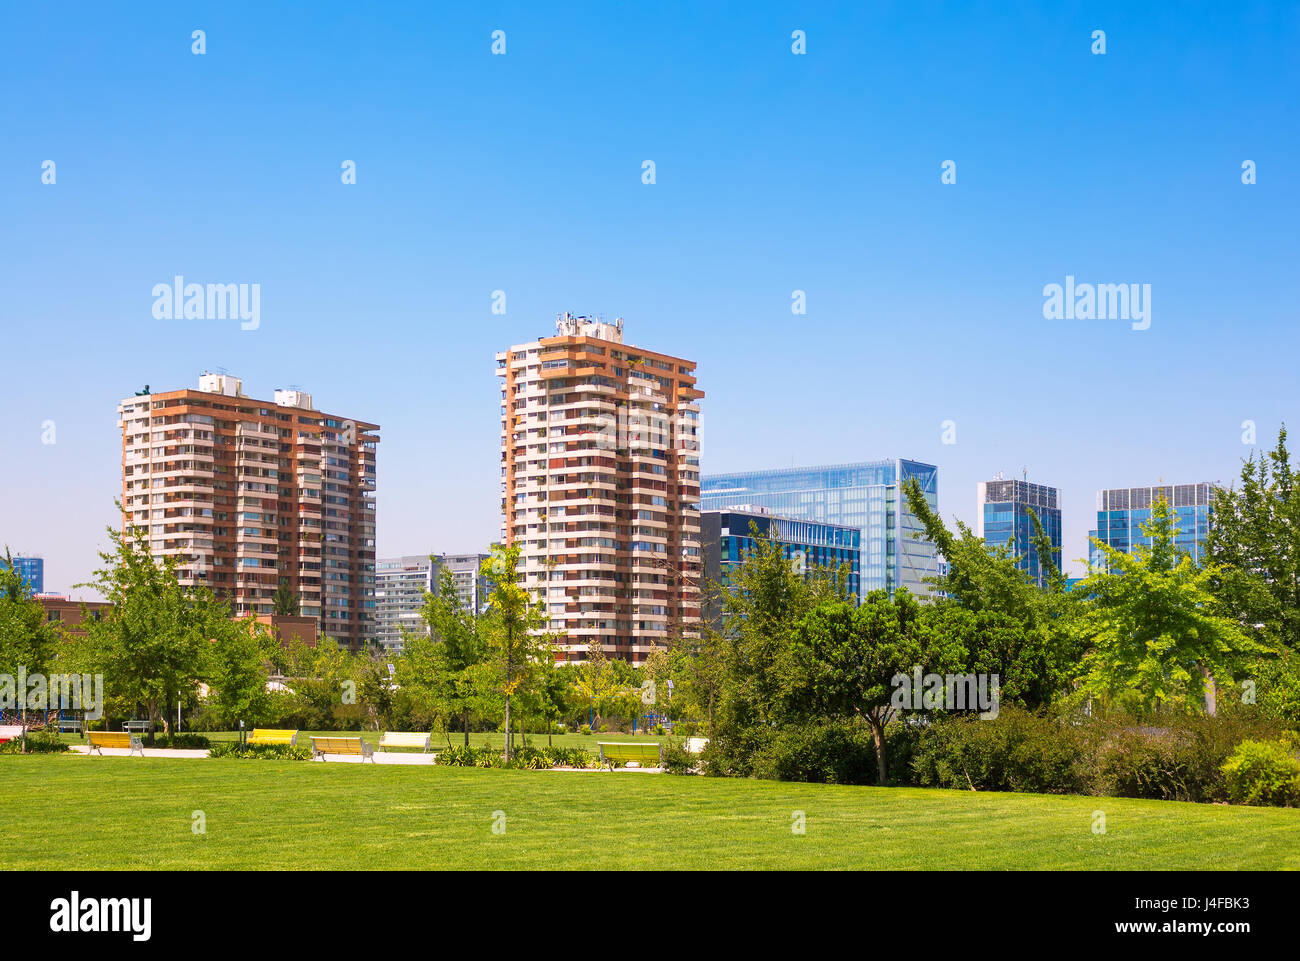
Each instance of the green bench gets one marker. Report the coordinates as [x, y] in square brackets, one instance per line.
[642, 753]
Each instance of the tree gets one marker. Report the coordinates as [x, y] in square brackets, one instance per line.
[1254, 546]
[285, 601]
[514, 628]
[237, 672]
[596, 685]
[1153, 626]
[844, 659]
[26, 639]
[152, 645]
[458, 648]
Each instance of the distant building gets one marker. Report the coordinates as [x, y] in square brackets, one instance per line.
[286, 628]
[247, 494]
[726, 535]
[1002, 518]
[868, 496]
[72, 616]
[32, 570]
[1122, 511]
[400, 585]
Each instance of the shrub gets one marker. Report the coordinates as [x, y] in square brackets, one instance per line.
[261, 752]
[40, 741]
[1263, 772]
[677, 760]
[1016, 751]
[835, 752]
[185, 740]
[585, 729]
[521, 758]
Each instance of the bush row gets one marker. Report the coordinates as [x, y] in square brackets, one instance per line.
[42, 741]
[261, 752]
[529, 758]
[1182, 758]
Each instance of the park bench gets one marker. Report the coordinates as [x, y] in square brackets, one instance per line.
[136, 727]
[266, 735]
[639, 752]
[342, 745]
[98, 740]
[72, 725]
[390, 739]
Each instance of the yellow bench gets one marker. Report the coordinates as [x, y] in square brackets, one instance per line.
[405, 739]
[343, 745]
[639, 752]
[98, 740]
[263, 735]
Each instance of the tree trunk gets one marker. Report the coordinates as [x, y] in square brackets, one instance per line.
[507, 721]
[466, 726]
[1211, 698]
[878, 735]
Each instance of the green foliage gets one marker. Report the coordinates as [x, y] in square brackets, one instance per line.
[522, 758]
[237, 673]
[1153, 627]
[285, 601]
[261, 752]
[26, 640]
[830, 752]
[40, 741]
[1253, 548]
[1016, 751]
[677, 760]
[1263, 772]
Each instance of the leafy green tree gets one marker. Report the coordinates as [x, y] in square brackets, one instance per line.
[458, 648]
[1254, 546]
[1153, 627]
[26, 639]
[514, 627]
[237, 672]
[285, 601]
[844, 659]
[152, 645]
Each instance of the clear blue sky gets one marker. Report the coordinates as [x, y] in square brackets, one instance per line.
[775, 172]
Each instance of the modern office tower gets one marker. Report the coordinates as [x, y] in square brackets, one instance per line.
[600, 486]
[866, 495]
[400, 584]
[1002, 517]
[246, 494]
[1122, 511]
[32, 571]
[726, 535]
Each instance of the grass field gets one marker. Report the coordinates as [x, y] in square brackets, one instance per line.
[71, 811]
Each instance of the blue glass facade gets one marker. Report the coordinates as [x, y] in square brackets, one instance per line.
[1121, 512]
[32, 571]
[1003, 520]
[865, 495]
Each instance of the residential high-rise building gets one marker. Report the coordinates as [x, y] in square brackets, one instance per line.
[246, 494]
[400, 585]
[726, 536]
[1122, 511]
[1002, 509]
[865, 495]
[32, 571]
[600, 486]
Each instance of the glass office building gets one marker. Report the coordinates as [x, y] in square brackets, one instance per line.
[726, 536]
[865, 495]
[1122, 511]
[32, 571]
[1002, 519]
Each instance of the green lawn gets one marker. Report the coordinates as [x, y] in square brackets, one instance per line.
[71, 811]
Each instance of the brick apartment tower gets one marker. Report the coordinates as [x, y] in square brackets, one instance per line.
[600, 486]
[244, 493]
